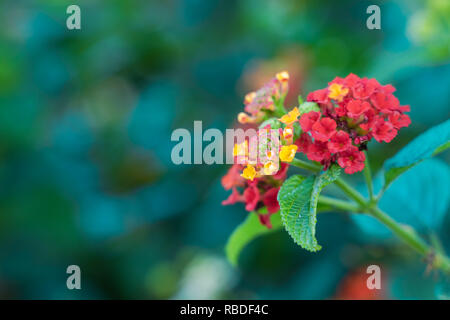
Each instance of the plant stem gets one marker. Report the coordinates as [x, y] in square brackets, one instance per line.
[368, 176]
[404, 232]
[436, 243]
[437, 259]
[410, 237]
[305, 165]
[352, 193]
[339, 204]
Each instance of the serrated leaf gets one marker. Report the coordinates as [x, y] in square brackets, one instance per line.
[430, 143]
[298, 198]
[247, 231]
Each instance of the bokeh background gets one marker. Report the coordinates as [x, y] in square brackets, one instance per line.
[85, 123]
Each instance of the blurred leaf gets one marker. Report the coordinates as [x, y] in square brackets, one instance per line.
[433, 141]
[442, 288]
[248, 230]
[419, 198]
[408, 281]
[298, 199]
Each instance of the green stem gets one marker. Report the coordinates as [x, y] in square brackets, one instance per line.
[368, 176]
[410, 237]
[436, 243]
[352, 193]
[407, 234]
[404, 232]
[339, 204]
[306, 165]
[280, 110]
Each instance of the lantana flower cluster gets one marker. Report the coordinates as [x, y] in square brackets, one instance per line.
[257, 192]
[258, 103]
[333, 126]
[352, 111]
[261, 178]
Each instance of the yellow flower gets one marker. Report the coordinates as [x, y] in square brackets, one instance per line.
[270, 168]
[240, 149]
[282, 76]
[249, 173]
[291, 117]
[337, 92]
[287, 153]
[288, 132]
[249, 97]
[245, 118]
[283, 79]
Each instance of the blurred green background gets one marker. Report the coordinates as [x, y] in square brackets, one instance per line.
[85, 123]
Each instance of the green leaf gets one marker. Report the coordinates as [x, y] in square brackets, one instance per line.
[273, 122]
[297, 130]
[308, 106]
[248, 230]
[298, 198]
[428, 144]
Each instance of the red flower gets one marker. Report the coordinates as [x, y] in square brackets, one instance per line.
[341, 109]
[383, 131]
[352, 160]
[281, 174]
[251, 196]
[389, 88]
[370, 118]
[406, 108]
[384, 102]
[308, 119]
[337, 80]
[233, 198]
[303, 142]
[351, 80]
[364, 88]
[318, 151]
[319, 96]
[233, 177]
[339, 142]
[323, 129]
[361, 139]
[265, 220]
[355, 108]
[399, 120]
[360, 109]
[270, 200]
